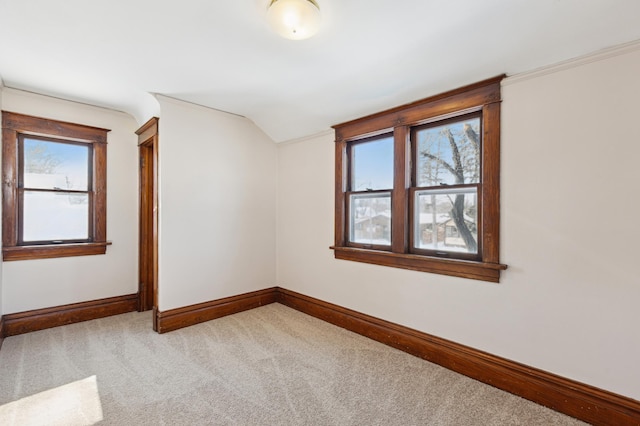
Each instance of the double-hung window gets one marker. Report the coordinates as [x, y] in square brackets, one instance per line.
[417, 187]
[54, 194]
[369, 197]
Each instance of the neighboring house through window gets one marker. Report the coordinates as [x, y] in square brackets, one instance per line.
[54, 192]
[417, 187]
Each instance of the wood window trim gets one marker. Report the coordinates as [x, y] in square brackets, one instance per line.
[483, 96]
[14, 125]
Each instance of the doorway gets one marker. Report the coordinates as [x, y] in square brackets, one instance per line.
[148, 233]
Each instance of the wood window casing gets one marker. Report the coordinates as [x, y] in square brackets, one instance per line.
[14, 128]
[481, 98]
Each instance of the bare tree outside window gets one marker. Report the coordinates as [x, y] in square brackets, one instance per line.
[39, 159]
[448, 155]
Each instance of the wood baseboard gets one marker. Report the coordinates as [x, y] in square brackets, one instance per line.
[584, 402]
[40, 319]
[190, 315]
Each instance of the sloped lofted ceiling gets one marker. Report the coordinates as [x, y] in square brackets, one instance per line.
[370, 55]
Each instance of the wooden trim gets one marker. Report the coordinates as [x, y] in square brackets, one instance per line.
[567, 396]
[49, 251]
[40, 319]
[399, 213]
[340, 197]
[147, 130]
[489, 201]
[148, 217]
[2, 333]
[457, 100]
[21, 123]
[454, 267]
[99, 206]
[15, 125]
[9, 185]
[481, 99]
[175, 319]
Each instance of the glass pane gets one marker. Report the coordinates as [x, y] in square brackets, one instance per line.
[449, 154]
[372, 165]
[447, 220]
[370, 221]
[50, 216]
[55, 165]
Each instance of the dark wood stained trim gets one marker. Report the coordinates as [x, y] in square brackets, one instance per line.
[399, 199]
[2, 335]
[40, 319]
[340, 197]
[457, 268]
[490, 194]
[482, 98]
[15, 125]
[567, 396]
[9, 180]
[147, 130]
[453, 101]
[26, 124]
[48, 251]
[99, 209]
[190, 315]
[148, 217]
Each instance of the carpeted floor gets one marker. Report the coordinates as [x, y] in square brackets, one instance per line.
[268, 366]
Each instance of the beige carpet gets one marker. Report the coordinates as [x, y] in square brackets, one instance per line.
[268, 366]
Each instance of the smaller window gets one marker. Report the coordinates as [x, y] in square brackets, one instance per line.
[54, 190]
[54, 197]
[369, 195]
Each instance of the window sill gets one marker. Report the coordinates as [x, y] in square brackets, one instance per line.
[53, 251]
[458, 268]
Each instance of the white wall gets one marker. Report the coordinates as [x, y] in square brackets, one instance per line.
[568, 303]
[217, 205]
[34, 284]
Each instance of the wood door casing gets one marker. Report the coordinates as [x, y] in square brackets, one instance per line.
[148, 233]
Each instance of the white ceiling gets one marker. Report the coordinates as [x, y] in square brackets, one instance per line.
[370, 55]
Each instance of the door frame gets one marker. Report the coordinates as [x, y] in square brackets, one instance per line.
[148, 215]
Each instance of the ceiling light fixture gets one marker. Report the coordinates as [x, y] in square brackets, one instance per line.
[294, 19]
